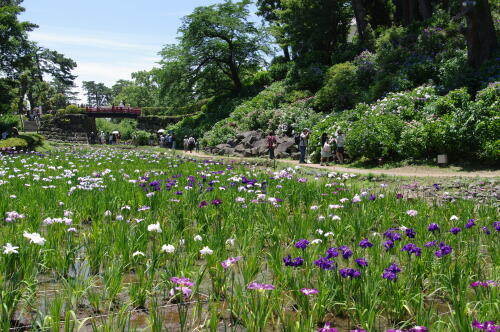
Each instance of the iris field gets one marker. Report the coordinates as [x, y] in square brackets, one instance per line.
[121, 240]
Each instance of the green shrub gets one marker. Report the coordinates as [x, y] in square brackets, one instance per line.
[279, 69]
[449, 103]
[72, 109]
[140, 137]
[487, 127]
[126, 127]
[341, 90]
[374, 137]
[15, 143]
[23, 142]
[8, 121]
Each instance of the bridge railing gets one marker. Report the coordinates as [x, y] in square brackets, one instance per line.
[113, 110]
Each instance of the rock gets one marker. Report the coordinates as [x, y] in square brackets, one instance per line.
[250, 137]
[239, 148]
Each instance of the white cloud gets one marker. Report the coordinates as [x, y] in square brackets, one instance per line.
[76, 40]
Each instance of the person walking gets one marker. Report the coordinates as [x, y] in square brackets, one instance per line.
[173, 142]
[191, 143]
[340, 139]
[304, 141]
[185, 143]
[271, 144]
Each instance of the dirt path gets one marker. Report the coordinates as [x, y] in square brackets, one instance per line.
[407, 171]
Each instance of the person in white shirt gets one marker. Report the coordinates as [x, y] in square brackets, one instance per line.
[304, 140]
[340, 139]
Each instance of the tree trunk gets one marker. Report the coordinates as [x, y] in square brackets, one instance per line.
[424, 6]
[286, 53]
[360, 15]
[406, 11]
[480, 33]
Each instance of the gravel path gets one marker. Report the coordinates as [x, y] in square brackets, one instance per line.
[407, 171]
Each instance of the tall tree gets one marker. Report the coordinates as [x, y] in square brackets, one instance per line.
[314, 28]
[480, 33]
[219, 40]
[268, 9]
[97, 93]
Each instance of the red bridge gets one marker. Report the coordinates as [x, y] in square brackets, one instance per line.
[113, 112]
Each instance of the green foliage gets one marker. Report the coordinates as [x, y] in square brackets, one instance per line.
[72, 109]
[126, 127]
[374, 137]
[313, 28]
[140, 137]
[419, 124]
[22, 142]
[218, 50]
[8, 121]
[341, 89]
[97, 93]
[272, 109]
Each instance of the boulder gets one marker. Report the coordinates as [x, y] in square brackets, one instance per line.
[250, 137]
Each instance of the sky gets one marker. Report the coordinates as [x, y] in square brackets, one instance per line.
[108, 39]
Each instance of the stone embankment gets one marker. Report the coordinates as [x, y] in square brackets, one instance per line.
[254, 144]
[73, 128]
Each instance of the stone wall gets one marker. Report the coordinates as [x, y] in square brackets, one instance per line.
[68, 128]
[153, 123]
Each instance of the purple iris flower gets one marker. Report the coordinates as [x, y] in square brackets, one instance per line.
[433, 227]
[455, 230]
[399, 196]
[216, 202]
[436, 186]
[351, 273]
[373, 197]
[470, 224]
[346, 252]
[325, 264]
[410, 232]
[302, 244]
[365, 243]
[430, 244]
[443, 250]
[388, 245]
[496, 224]
[486, 230]
[391, 273]
[202, 204]
[294, 262]
[361, 262]
[332, 252]
[411, 248]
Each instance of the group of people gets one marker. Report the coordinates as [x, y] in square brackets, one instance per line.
[165, 141]
[103, 138]
[331, 146]
[190, 144]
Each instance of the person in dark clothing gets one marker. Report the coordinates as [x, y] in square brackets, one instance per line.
[271, 144]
